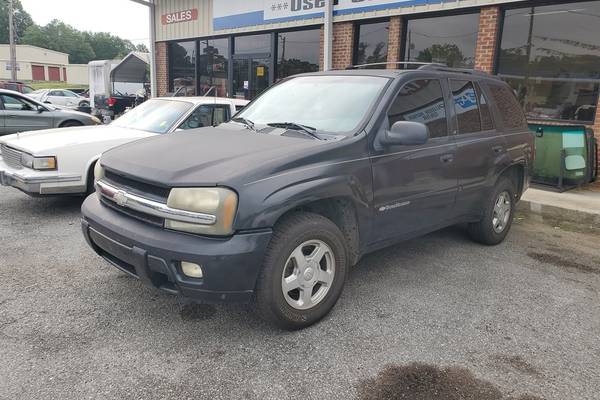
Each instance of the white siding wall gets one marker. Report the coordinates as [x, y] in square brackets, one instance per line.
[184, 30]
[77, 74]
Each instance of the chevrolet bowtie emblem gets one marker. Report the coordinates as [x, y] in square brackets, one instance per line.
[120, 198]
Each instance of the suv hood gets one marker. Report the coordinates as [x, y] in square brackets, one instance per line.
[208, 156]
[43, 141]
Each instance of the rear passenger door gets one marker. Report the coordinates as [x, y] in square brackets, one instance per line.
[415, 186]
[480, 146]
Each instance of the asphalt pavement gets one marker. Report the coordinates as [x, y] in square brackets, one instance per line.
[519, 318]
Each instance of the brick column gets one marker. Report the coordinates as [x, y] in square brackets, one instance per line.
[394, 41]
[162, 68]
[343, 41]
[489, 26]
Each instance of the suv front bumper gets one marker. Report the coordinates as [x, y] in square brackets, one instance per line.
[153, 255]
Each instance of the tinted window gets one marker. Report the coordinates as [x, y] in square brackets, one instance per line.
[298, 52]
[13, 103]
[206, 115]
[253, 44]
[58, 93]
[486, 115]
[182, 62]
[465, 106]
[551, 56]
[510, 110]
[213, 63]
[372, 45]
[447, 40]
[421, 101]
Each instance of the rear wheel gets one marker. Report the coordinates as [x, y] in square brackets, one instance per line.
[303, 273]
[498, 215]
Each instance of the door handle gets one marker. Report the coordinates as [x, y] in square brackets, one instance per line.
[498, 149]
[447, 158]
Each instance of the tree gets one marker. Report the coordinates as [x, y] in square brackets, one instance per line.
[142, 48]
[107, 46]
[21, 17]
[61, 37]
[447, 53]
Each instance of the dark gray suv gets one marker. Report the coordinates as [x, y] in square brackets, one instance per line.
[276, 205]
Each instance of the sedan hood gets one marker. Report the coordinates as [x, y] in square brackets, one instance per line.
[208, 156]
[43, 142]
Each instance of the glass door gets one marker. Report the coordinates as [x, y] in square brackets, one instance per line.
[241, 78]
[250, 77]
[259, 75]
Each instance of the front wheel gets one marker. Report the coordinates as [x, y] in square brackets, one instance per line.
[303, 273]
[498, 215]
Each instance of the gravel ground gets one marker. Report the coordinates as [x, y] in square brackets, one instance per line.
[522, 317]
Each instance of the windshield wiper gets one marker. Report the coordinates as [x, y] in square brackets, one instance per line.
[246, 122]
[309, 130]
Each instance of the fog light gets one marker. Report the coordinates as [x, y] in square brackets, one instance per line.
[192, 270]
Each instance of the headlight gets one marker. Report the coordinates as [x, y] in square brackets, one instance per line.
[96, 120]
[39, 163]
[98, 171]
[219, 202]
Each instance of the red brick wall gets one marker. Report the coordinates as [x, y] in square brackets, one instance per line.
[489, 25]
[394, 41]
[343, 38]
[162, 68]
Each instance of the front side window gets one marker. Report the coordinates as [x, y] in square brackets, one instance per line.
[465, 106]
[372, 43]
[421, 101]
[68, 93]
[334, 104]
[447, 40]
[298, 52]
[157, 115]
[206, 115]
[182, 67]
[550, 55]
[12, 103]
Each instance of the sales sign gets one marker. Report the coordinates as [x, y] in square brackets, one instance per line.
[179, 16]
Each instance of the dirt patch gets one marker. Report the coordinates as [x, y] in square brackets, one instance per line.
[547, 258]
[517, 363]
[197, 312]
[426, 382]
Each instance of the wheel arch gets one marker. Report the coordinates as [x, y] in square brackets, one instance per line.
[67, 121]
[516, 172]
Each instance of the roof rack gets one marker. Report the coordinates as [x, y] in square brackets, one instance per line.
[445, 68]
[420, 64]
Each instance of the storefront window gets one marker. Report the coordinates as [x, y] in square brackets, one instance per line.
[213, 63]
[182, 67]
[550, 55]
[372, 44]
[298, 52]
[447, 40]
[254, 44]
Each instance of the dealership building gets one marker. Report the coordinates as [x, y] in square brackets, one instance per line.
[549, 51]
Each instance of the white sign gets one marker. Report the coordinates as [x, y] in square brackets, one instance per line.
[9, 67]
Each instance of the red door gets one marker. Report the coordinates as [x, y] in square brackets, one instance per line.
[54, 73]
[38, 73]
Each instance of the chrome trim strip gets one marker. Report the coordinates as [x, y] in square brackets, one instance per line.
[151, 207]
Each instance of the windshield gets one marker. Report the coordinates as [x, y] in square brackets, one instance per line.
[156, 116]
[335, 104]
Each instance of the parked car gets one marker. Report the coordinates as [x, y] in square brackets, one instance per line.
[16, 87]
[318, 171]
[20, 113]
[61, 97]
[61, 161]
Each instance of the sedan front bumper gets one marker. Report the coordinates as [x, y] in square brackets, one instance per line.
[38, 183]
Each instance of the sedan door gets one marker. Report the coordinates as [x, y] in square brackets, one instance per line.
[21, 114]
[207, 115]
[415, 186]
[56, 97]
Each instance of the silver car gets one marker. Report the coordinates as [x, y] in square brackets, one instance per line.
[19, 113]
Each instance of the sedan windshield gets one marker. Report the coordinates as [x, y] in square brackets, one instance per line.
[157, 116]
[334, 104]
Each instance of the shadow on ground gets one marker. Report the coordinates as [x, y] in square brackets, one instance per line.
[426, 382]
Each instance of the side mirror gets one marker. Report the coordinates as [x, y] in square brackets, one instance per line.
[40, 109]
[47, 102]
[407, 133]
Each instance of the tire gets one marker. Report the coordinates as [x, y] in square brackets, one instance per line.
[84, 104]
[317, 283]
[497, 220]
[69, 124]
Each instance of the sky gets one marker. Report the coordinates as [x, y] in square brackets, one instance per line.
[122, 18]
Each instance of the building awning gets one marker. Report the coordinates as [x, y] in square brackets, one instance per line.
[134, 68]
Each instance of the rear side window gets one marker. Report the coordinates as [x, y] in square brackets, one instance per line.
[421, 101]
[465, 105]
[487, 122]
[510, 110]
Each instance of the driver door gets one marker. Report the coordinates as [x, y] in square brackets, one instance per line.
[21, 115]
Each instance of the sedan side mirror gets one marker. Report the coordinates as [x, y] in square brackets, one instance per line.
[40, 109]
[407, 133]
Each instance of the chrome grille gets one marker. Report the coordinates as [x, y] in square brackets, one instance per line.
[11, 156]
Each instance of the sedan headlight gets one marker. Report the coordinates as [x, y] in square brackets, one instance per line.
[98, 171]
[218, 202]
[96, 120]
[39, 163]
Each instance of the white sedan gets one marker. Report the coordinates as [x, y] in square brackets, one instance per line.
[61, 161]
[60, 97]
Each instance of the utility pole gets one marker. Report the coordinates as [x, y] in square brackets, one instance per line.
[13, 45]
[328, 36]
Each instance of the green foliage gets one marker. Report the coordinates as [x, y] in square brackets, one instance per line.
[22, 21]
[447, 53]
